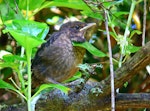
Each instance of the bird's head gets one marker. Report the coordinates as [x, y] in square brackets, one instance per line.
[76, 30]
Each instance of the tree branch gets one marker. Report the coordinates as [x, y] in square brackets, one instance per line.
[90, 100]
[130, 68]
[136, 100]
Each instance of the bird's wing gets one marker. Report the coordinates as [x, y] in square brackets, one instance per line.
[50, 51]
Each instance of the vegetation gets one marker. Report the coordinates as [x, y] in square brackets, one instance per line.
[24, 25]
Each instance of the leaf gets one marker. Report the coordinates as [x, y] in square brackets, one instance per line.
[135, 32]
[111, 3]
[11, 61]
[9, 64]
[8, 10]
[92, 14]
[75, 4]
[131, 49]
[118, 14]
[125, 84]
[113, 35]
[58, 86]
[36, 29]
[25, 40]
[29, 34]
[3, 52]
[32, 4]
[13, 58]
[90, 48]
[5, 85]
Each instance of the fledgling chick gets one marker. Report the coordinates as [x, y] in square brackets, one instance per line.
[57, 59]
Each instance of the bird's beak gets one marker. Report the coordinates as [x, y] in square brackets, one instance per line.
[87, 26]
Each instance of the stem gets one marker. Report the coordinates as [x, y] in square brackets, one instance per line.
[21, 67]
[40, 8]
[29, 78]
[127, 31]
[14, 83]
[21, 94]
[34, 12]
[27, 10]
[37, 10]
[28, 54]
[112, 27]
[21, 79]
[111, 63]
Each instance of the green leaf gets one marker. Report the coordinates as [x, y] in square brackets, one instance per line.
[113, 35]
[11, 61]
[5, 85]
[131, 49]
[9, 64]
[90, 48]
[25, 40]
[13, 58]
[8, 10]
[29, 34]
[32, 28]
[3, 52]
[125, 84]
[58, 86]
[135, 32]
[111, 3]
[32, 4]
[75, 4]
[118, 14]
[92, 14]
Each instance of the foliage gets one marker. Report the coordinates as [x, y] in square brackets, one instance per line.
[90, 48]
[30, 34]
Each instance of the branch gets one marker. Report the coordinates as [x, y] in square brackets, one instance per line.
[136, 100]
[57, 101]
[89, 100]
[130, 68]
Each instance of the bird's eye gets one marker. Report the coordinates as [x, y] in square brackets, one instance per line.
[77, 27]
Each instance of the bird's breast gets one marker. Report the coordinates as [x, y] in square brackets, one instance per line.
[67, 60]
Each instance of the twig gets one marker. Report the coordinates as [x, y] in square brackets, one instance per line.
[110, 55]
[144, 24]
[111, 63]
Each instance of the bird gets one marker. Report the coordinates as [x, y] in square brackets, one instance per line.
[57, 59]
